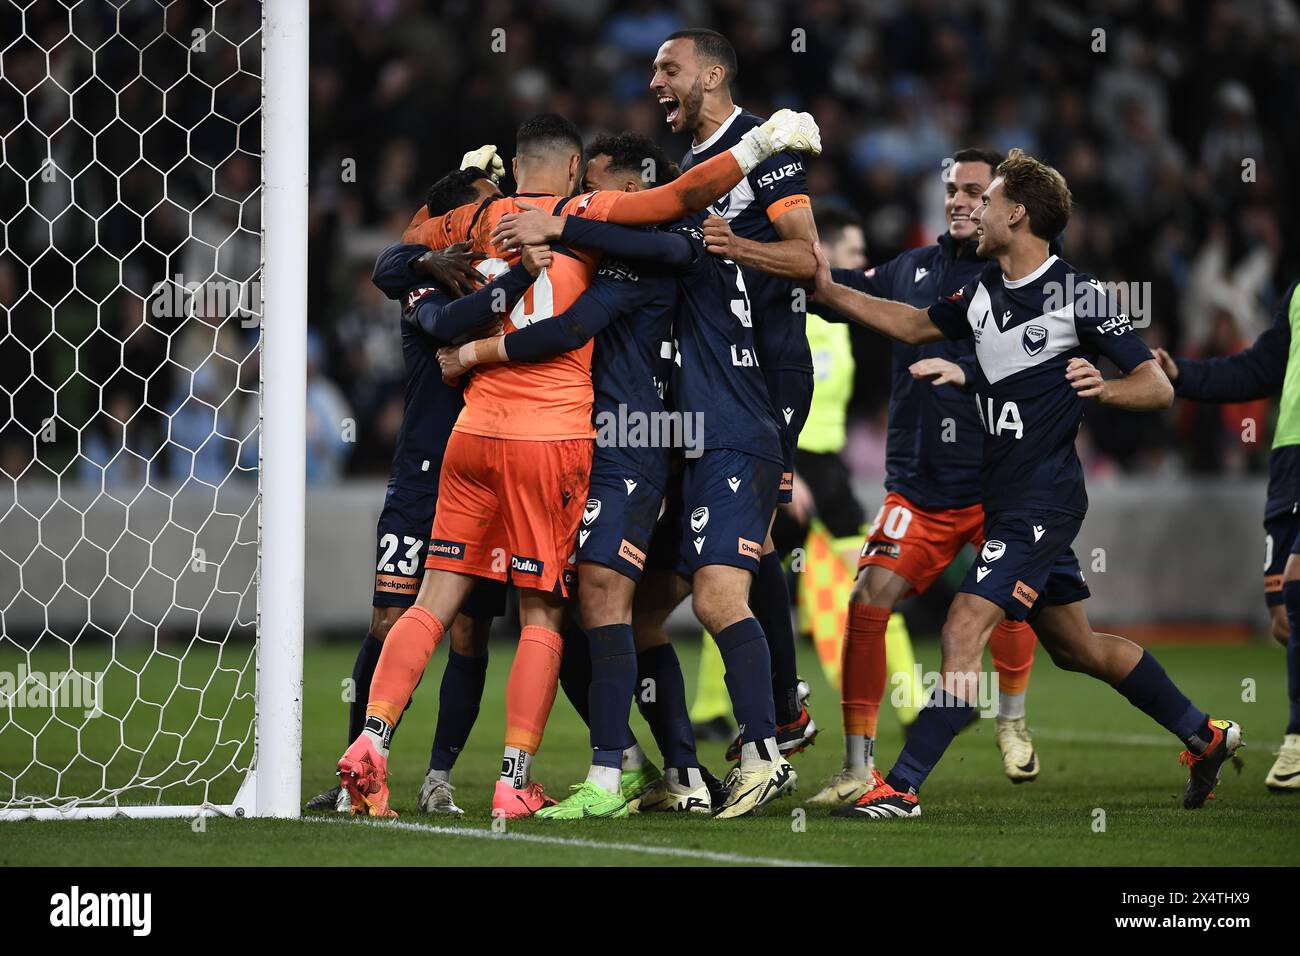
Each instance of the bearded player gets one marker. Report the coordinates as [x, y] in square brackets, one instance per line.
[516, 469]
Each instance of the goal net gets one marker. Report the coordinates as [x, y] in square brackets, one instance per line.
[132, 356]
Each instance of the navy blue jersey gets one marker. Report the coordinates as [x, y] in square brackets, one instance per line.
[772, 187]
[717, 375]
[1025, 334]
[931, 463]
[431, 407]
[629, 367]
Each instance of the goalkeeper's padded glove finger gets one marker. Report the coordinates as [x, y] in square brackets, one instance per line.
[784, 130]
[486, 159]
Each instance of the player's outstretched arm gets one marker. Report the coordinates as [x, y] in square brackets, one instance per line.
[699, 185]
[894, 319]
[571, 329]
[533, 226]
[1145, 388]
[1253, 373]
[790, 257]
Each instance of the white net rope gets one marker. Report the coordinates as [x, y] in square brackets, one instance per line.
[130, 261]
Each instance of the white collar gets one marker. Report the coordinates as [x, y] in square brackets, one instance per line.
[717, 134]
[1036, 274]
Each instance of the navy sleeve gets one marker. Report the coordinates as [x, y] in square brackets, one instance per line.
[949, 313]
[394, 275]
[1104, 329]
[571, 329]
[451, 319]
[1255, 372]
[627, 243]
[777, 178]
[877, 281]
[968, 364]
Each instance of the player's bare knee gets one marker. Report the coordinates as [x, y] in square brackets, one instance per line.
[1281, 626]
[606, 597]
[382, 621]
[718, 609]
[469, 636]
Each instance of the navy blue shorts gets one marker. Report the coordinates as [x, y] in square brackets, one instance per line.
[1281, 540]
[719, 515]
[619, 519]
[791, 392]
[401, 542]
[1026, 561]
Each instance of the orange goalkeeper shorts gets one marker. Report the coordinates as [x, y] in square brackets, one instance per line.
[509, 509]
[916, 544]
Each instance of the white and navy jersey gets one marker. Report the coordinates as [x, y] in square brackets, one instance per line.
[1025, 334]
[774, 187]
[717, 373]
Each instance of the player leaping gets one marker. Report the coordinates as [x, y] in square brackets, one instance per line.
[1034, 348]
[515, 472]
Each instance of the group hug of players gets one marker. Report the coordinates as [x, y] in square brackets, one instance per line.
[611, 283]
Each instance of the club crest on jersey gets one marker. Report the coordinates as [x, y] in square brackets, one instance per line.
[992, 550]
[1034, 340]
[592, 511]
[699, 518]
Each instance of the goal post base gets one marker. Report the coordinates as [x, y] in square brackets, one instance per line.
[121, 813]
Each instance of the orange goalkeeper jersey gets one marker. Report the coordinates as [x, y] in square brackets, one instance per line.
[539, 401]
[551, 400]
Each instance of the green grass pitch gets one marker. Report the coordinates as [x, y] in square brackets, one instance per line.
[1098, 754]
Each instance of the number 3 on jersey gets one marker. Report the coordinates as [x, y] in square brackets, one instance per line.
[740, 304]
[408, 565]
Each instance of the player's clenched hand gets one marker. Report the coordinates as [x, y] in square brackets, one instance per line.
[718, 237]
[452, 269]
[1168, 364]
[536, 258]
[486, 159]
[450, 364]
[938, 372]
[1085, 378]
[531, 227]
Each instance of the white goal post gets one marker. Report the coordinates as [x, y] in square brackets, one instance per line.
[153, 341]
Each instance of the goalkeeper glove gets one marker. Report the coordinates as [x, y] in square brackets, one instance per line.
[486, 159]
[784, 130]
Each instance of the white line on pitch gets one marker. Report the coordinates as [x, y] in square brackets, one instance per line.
[476, 833]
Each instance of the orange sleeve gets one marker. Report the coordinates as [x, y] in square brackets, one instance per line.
[443, 231]
[689, 193]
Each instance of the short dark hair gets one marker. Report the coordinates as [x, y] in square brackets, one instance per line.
[1040, 189]
[547, 130]
[833, 220]
[973, 154]
[629, 151]
[712, 47]
[454, 189]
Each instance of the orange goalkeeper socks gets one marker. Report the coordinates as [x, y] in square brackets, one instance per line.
[530, 691]
[862, 668]
[407, 649]
[1012, 648]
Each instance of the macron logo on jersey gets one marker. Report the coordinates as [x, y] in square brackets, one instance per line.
[921, 273]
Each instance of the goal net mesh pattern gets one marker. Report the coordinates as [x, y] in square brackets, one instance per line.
[130, 265]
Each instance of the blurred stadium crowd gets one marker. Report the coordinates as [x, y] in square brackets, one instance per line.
[1150, 120]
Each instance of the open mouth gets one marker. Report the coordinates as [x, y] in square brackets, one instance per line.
[672, 106]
